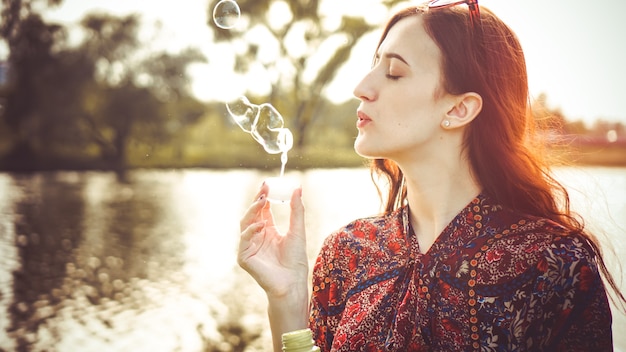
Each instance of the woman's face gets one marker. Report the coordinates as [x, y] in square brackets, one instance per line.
[399, 115]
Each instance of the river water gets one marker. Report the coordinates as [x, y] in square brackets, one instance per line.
[90, 264]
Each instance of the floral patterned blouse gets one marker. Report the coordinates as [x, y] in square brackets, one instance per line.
[493, 280]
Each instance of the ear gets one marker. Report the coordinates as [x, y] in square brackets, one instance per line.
[465, 109]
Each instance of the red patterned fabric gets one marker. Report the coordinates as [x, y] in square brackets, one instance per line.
[492, 281]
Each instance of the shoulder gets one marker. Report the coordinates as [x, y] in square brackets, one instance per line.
[538, 267]
[531, 247]
[367, 231]
[372, 244]
[507, 228]
[545, 237]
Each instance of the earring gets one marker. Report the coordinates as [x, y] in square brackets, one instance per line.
[446, 123]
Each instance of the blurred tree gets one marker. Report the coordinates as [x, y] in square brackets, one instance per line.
[93, 99]
[140, 99]
[553, 119]
[284, 38]
[32, 67]
[602, 127]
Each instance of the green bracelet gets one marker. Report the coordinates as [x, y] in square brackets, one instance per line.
[299, 341]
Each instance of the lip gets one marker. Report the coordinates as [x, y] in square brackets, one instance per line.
[363, 119]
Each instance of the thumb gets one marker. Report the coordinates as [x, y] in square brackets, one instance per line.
[296, 219]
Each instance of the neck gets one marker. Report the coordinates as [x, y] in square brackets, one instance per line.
[436, 194]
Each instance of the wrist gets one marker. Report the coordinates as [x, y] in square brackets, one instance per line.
[291, 292]
[289, 311]
[295, 301]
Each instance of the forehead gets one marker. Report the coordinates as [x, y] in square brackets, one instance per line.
[409, 39]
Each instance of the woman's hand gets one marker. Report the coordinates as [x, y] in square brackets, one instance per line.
[278, 263]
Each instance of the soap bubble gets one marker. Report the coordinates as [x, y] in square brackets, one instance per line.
[274, 141]
[268, 129]
[266, 126]
[264, 123]
[243, 112]
[226, 14]
[268, 118]
[284, 141]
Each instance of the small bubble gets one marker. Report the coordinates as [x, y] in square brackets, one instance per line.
[226, 14]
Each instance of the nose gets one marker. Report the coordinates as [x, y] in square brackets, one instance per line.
[364, 90]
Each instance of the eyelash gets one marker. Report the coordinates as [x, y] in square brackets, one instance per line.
[389, 76]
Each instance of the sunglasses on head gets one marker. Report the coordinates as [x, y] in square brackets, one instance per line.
[474, 10]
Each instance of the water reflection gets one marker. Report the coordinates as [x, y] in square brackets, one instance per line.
[91, 264]
[101, 265]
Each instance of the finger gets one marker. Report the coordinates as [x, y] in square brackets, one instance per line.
[266, 213]
[248, 243]
[253, 229]
[254, 212]
[264, 189]
[266, 209]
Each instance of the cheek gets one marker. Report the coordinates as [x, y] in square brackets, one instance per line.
[405, 116]
[416, 123]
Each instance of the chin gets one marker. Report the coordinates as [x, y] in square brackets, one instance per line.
[366, 152]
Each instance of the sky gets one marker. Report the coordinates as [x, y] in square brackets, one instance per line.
[575, 49]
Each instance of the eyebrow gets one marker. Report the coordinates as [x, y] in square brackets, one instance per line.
[396, 56]
[393, 56]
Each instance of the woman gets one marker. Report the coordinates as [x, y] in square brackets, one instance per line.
[475, 250]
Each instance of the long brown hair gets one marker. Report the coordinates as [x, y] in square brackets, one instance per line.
[506, 160]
